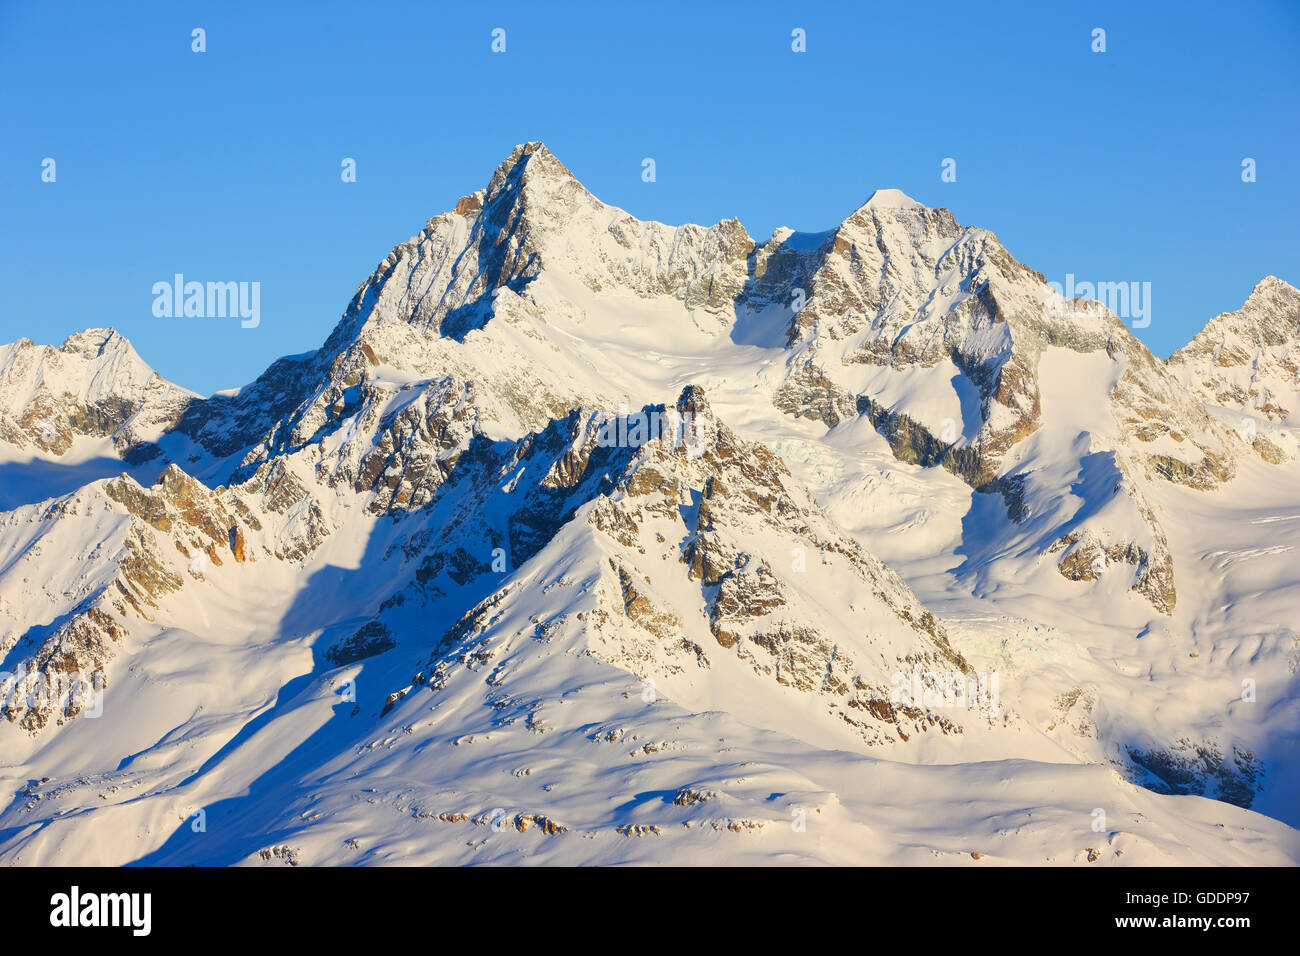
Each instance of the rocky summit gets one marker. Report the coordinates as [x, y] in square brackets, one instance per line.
[585, 539]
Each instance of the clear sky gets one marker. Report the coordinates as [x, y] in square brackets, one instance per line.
[225, 165]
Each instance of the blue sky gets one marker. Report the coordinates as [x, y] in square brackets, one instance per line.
[225, 165]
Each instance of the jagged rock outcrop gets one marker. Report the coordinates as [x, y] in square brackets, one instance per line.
[900, 305]
[684, 506]
[1249, 360]
[157, 540]
[94, 385]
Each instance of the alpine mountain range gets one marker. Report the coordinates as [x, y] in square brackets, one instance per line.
[947, 570]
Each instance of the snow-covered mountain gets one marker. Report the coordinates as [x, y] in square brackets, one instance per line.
[1247, 360]
[94, 386]
[588, 539]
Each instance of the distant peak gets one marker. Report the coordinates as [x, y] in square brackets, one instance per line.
[890, 199]
[1270, 293]
[92, 343]
[1270, 284]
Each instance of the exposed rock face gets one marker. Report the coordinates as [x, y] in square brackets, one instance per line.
[370, 639]
[161, 538]
[535, 215]
[727, 495]
[1085, 558]
[93, 385]
[900, 294]
[904, 287]
[689, 509]
[251, 423]
[808, 393]
[1249, 360]
[1201, 767]
[898, 285]
[417, 447]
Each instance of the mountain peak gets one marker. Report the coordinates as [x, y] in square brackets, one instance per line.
[1271, 285]
[1272, 300]
[890, 199]
[1243, 360]
[92, 343]
[692, 401]
[530, 163]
